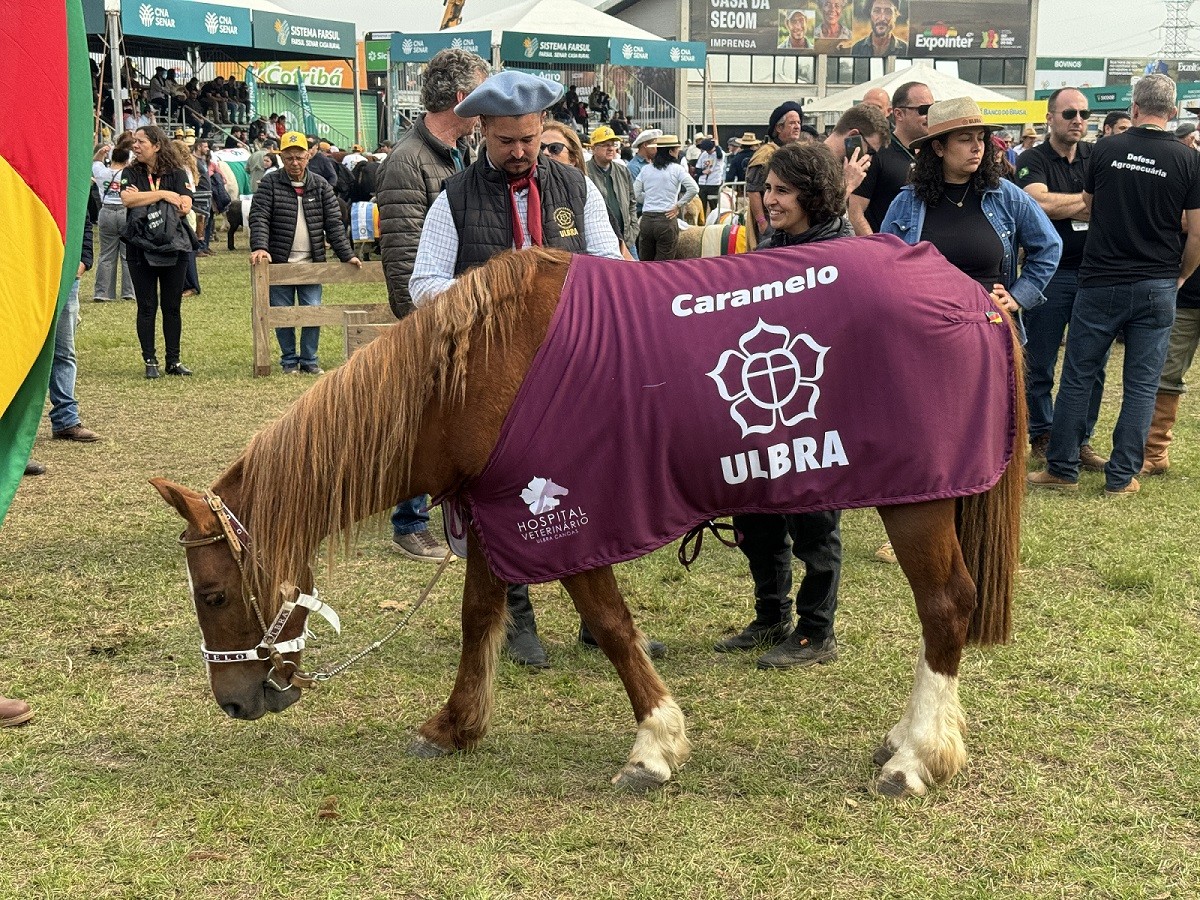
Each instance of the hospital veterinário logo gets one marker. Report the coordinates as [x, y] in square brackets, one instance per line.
[146, 14]
[541, 495]
[771, 379]
[283, 31]
[549, 523]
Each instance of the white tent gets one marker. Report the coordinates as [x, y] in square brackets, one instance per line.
[943, 86]
[558, 17]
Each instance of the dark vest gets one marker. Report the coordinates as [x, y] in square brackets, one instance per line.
[478, 197]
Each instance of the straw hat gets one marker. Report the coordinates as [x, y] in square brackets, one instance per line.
[1029, 131]
[951, 115]
[668, 140]
[749, 139]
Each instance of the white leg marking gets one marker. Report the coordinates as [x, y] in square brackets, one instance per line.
[930, 745]
[661, 746]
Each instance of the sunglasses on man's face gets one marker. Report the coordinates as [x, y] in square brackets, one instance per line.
[554, 149]
[922, 110]
[1070, 114]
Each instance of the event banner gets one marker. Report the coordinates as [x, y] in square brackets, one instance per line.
[297, 34]
[657, 54]
[184, 20]
[916, 29]
[552, 48]
[1125, 69]
[1054, 72]
[251, 93]
[415, 48]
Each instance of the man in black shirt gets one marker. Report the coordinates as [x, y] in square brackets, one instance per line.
[1052, 174]
[1139, 187]
[889, 171]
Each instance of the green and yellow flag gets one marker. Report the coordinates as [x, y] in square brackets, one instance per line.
[44, 178]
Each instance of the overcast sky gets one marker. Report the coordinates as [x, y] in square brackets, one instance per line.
[1065, 28]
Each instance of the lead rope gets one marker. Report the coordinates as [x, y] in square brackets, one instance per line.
[307, 680]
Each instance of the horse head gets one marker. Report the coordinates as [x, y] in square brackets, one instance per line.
[250, 670]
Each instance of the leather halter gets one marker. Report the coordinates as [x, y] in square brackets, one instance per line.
[288, 673]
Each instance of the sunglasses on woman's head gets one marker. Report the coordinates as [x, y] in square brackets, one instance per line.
[554, 149]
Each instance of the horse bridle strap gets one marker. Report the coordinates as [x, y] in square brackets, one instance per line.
[268, 646]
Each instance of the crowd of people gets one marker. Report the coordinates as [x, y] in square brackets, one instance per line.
[1099, 242]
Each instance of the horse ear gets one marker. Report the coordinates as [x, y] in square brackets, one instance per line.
[185, 501]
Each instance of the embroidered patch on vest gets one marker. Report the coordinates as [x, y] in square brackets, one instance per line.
[565, 219]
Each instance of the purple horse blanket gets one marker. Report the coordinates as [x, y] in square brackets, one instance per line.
[842, 374]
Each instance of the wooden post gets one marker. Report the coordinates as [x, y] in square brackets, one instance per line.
[260, 305]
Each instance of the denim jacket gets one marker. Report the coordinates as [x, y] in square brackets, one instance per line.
[1019, 222]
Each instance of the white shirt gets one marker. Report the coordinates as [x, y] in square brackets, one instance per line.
[710, 169]
[353, 159]
[433, 269]
[657, 190]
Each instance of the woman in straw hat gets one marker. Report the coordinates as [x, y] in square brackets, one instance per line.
[959, 201]
[658, 189]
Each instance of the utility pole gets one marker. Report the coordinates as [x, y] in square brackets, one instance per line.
[1177, 31]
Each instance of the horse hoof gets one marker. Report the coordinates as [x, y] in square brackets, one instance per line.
[897, 785]
[425, 749]
[882, 754]
[637, 779]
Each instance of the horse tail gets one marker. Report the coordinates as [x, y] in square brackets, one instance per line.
[989, 529]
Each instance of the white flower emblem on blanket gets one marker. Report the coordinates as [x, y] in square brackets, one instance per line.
[771, 379]
[542, 495]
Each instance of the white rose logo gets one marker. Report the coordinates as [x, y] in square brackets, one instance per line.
[211, 22]
[771, 379]
[146, 14]
[542, 495]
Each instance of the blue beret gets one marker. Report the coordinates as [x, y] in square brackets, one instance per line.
[511, 93]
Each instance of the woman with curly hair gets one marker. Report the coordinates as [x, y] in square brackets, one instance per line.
[959, 201]
[158, 174]
[805, 202]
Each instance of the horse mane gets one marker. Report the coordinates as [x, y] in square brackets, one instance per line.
[344, 450]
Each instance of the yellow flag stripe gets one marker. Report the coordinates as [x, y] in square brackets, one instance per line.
[31, 248]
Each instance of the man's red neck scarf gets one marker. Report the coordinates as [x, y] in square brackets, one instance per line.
[533, 208]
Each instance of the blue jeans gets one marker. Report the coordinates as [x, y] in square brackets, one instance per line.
[1146, 310]
[287, 295]
[64, 409]
[411, 516]
[1044, 329]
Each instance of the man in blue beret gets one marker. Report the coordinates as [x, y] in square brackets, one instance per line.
[511, 196]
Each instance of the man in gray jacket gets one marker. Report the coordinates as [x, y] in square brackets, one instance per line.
[615, 184]
[409, 181]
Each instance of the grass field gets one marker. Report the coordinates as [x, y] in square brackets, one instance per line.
[1084, 778]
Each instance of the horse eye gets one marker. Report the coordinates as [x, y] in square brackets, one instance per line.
[215, 599]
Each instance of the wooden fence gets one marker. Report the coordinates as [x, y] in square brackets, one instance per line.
[362, 321]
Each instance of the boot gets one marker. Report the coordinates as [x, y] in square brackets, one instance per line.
[1166, 408]
[521, 643]
[151, 367]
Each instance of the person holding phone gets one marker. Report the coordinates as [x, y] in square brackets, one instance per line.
[860, 133]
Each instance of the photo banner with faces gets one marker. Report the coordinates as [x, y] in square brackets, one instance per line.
[916, 29]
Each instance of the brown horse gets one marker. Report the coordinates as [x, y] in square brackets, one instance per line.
[420, 410]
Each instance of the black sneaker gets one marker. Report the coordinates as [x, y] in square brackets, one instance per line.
[800, 651]
[755, 635]
[178, 368]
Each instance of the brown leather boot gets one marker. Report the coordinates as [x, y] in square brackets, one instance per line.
[14, 712]
[1166, 408]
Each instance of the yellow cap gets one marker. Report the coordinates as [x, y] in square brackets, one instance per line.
[293, 139]
[602, 135]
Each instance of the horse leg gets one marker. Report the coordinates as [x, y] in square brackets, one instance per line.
[661, 746]
[926, 745]
[463, 721]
